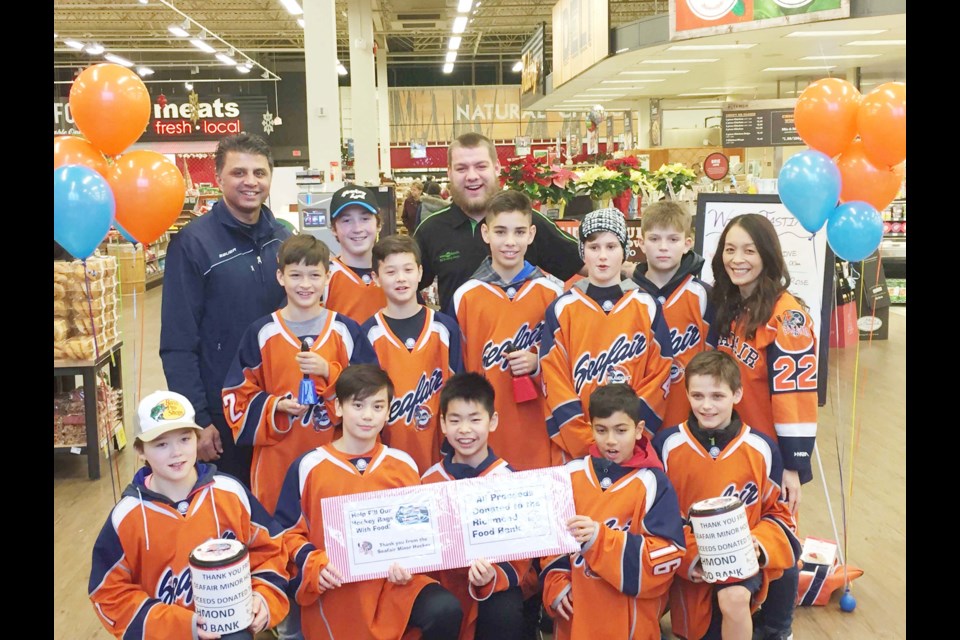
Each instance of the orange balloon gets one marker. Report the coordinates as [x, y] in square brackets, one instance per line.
[74, 150]
[861, 180]
[882, 123]
[111, 106]
[826, 115]
[149, 192]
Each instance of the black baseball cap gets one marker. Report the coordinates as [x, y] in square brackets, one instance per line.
[353, 194]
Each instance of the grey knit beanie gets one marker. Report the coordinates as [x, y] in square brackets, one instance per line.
[611, 220]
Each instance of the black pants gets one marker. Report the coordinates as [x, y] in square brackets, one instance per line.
[775, 617]
[500, 617]
[437, 613]
[234, 460]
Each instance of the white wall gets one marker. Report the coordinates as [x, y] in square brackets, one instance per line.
[689, 118]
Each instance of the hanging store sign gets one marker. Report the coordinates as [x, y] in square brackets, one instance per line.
[699, 18]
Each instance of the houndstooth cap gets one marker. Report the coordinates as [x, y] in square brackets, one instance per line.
[611, 220]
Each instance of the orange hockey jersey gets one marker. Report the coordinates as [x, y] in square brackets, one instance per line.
[489, 318]
[619, 581]
[509, 574]
[351, 295]
[418, 375]
[583, 348]
[367, 610]
[140, 576]
[750, 468]
[688, 314]
[265, 371]
[778, 369]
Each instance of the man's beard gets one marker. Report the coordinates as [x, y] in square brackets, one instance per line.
[471, 208]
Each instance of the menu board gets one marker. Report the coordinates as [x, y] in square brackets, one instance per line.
[807, 256]
[759, 128]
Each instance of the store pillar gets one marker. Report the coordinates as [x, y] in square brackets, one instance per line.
[383, 107]
[323, 94]
[363, 93]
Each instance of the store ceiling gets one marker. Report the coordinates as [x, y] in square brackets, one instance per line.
[417, 33]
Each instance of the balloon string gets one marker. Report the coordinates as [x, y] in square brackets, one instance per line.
[873, 314]
[856, 380]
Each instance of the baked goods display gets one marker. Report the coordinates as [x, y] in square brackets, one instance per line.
[85, 313]
[69, 415]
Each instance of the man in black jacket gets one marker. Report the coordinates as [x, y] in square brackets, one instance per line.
[220, 276]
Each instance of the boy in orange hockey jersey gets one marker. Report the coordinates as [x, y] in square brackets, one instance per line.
[418, 347]
[714, 454]
[500, 311]
[261, 399]
[356, 462]
[628, 526]
[490, 594]
[602, 331]
[355, 219]
[671, 275]
[140, 581]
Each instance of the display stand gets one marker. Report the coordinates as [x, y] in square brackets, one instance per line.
[89, 369]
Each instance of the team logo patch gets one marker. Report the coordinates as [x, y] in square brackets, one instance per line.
[617, 375]
[422, 416]
[354, 194]
[366, 548]
[168, 409]
[319, 417]
[794, 323]
[676, 373]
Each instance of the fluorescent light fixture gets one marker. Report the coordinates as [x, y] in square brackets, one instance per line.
[600, 95]
[459, 24]
[838, 33]
[711, 47]
[73, 44]
[877, 43]
[302, 23]
[451, 56]
[95, 48]
[112, 57]
[144, 1]
[697, 95]
[454, 43]
[203, 46]
[144, 71]
[637, 81]
[744, 88]
[244, 67]
[657, 72]
[848, 56]
[813, 67]
[292, 6]
[464, 5]
[448, 67]
[592, 100]
[225, 59]
[518, 66]
[680, 61]
[180, 32]
[341, 70]
[188, 85]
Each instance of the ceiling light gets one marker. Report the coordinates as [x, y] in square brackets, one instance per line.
[73, 44]
[463, 6]
[600, 95]
[710, 47]
[302, 23]
[877, 43]
[448, 67]
[658, 72]
[292, 6]
[808, 68]
[637, 81]
[518, 66]
[697, 95]
[848, 56]
[144, 1]
[454, 43]
[144, 71]
[188, 85]
[840, 32]
[451, 56]
[679, 60]
[459, 24]
[203, 46]
[95, 49]
[244, 67]
[727, 88]
[341, 70]
[112, 57]
[180, 32]
[225, 59]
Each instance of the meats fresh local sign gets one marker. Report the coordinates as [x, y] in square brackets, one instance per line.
[171, 119]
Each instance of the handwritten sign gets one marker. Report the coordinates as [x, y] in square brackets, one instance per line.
[449, 524]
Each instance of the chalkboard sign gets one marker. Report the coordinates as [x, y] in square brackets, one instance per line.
[808, 256]
[759, 128]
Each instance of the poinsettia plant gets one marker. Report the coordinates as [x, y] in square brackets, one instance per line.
[539, 180]
[600, 182]
[676, 176]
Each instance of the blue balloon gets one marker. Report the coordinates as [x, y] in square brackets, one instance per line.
[854, 230]
[124, 232]
[809, 186]
[83, 209]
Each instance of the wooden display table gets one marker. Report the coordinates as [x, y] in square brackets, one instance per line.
[89, 369]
